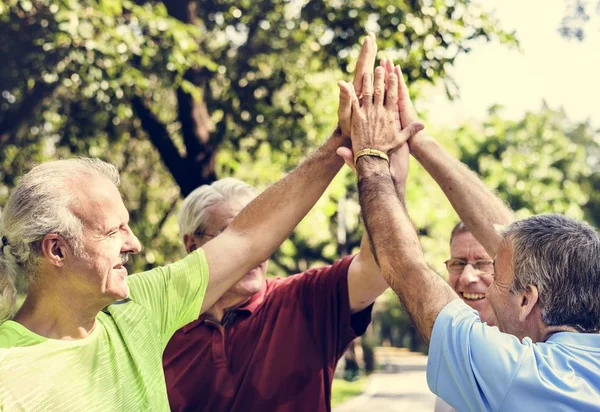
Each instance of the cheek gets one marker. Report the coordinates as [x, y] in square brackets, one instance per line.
[487, 280]
[453, 280]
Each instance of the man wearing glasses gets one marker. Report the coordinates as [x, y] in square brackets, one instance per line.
[470, 271]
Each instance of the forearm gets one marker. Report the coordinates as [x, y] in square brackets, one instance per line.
[478, 208]
[268, 220]
[273, 215]
[365, 282]
[422, 292]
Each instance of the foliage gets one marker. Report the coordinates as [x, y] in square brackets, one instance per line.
[577, 17]
[176, 94]
[342, 390]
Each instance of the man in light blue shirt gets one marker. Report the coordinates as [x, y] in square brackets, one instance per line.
[544, 353]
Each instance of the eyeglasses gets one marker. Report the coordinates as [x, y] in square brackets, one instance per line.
[199, 233]
[457, 266]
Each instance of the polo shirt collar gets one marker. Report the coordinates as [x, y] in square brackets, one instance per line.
[588, 340]
[250, 306]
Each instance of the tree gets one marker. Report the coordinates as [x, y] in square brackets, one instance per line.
[147, 83]
[577, 16]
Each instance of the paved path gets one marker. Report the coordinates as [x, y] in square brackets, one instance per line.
[402, 386]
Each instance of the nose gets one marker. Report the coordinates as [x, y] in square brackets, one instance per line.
[132, 244]
[468, 276]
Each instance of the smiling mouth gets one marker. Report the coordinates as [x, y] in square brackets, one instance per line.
[472, 296]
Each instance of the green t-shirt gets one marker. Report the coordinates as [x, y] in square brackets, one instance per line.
[119, 365]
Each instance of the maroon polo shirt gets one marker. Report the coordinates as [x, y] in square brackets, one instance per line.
[276, 353]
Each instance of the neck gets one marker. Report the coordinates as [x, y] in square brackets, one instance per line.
[228, 301]
[57, 315]
[551, 330]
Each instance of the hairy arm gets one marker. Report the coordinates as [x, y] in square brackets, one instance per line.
[476, 205]
[259, 229]
[422, 292]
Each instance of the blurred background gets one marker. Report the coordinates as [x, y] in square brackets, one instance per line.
[178, 93]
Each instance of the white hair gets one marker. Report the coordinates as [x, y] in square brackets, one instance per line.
[40, 204]
[193, 214]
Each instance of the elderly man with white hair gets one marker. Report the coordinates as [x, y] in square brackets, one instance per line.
[266, 344]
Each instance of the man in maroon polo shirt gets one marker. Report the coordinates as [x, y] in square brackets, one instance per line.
[271, 344]
[267, 344]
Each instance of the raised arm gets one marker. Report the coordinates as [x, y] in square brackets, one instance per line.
[422, 292]
[478, 207]
[260, 228]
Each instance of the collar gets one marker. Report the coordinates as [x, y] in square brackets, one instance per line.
[583, 340]
[250, 307]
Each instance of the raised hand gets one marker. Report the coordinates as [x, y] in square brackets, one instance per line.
[373, 125]
[406, 110]
[365, 64]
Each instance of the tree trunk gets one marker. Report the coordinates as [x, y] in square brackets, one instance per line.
[197, 166]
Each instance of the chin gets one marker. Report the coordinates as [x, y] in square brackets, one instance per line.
[119, 292]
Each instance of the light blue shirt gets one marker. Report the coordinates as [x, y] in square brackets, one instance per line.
[475, 367]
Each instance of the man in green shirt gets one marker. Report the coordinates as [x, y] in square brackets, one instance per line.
[87, 336]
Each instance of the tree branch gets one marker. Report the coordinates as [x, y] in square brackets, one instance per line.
[163, 220]
[159, 136]
[30, 102]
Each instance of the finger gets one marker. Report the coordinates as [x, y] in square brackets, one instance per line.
[389, 67]
[367, 89]
[383, 63]
[346, 154]
[405, 105]
[391, 98]
[379, 86]
[397, 121]
[345, 108]
[365, 63]
[408, 132]
[355, 102]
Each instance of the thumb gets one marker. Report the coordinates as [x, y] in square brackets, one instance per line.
[348, 156]
[408, 132]
[345, 108]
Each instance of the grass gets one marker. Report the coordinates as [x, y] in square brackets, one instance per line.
[344, 390]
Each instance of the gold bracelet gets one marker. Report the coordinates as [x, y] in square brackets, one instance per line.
[370, 152]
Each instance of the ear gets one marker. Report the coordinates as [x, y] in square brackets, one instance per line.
[54, 249]
[189, 242]
[528, 301]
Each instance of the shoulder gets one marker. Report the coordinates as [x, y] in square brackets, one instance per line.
[12, 334]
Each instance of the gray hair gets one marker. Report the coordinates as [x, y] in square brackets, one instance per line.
[458, 228]
[561, 257]
[40, 204]
[193, 214]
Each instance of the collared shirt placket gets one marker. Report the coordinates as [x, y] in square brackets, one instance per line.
[218, 338]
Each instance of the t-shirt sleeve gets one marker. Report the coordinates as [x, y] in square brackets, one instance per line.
[173, 294]
[325, 300]
[471, 365]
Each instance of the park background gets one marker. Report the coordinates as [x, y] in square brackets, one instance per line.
[178, 93]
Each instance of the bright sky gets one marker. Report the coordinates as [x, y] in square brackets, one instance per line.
[564, 73]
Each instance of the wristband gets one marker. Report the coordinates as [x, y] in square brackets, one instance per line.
[370, 152]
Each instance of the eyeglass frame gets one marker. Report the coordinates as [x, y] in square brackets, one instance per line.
[474, 264]
[198, 233]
